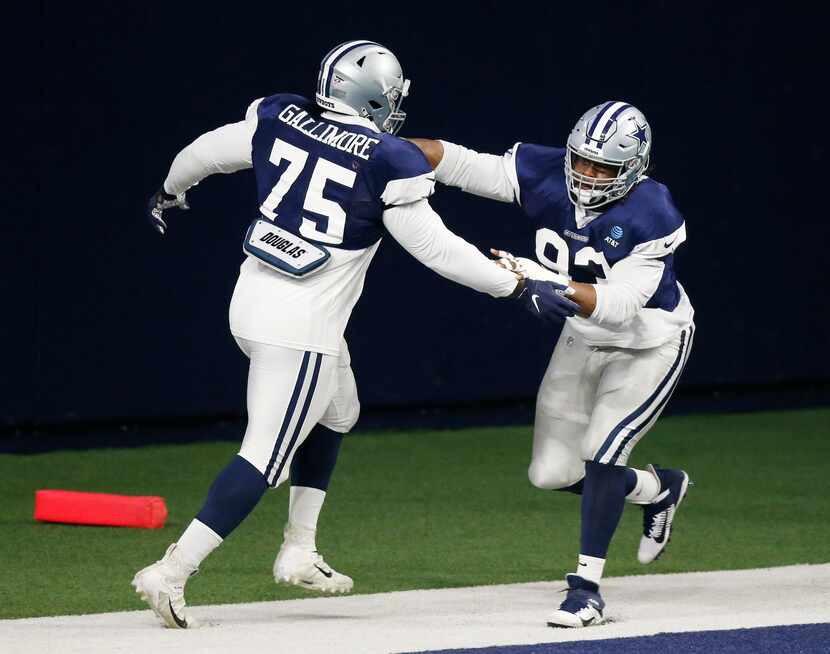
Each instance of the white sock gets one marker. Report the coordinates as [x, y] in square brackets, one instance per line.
[647, 488]
[197, 541]
[304, 506]
[590, 568]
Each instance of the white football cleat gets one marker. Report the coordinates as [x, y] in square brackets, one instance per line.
[659, 516]
[299, 564]
[161, 585]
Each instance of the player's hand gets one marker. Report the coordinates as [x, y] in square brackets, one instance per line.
[548, 301]
[160, 202]
[527, 267]
[507, 261]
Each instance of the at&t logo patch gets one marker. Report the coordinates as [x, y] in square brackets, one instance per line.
[616, 235]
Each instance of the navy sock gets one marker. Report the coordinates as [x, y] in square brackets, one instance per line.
[630, 480]
[630, 484]
[232, 496]
[314, 460]
[603, 499]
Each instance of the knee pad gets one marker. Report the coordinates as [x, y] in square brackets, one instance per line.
[342, 420]
[344, 410]
[549, 477]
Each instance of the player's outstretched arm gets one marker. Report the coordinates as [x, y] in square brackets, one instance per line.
[627, 289]
[487, 175]
[433, 150]
[423, 234]
[547, 295]
[226, 149]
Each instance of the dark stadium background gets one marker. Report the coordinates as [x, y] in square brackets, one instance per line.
[103, 322]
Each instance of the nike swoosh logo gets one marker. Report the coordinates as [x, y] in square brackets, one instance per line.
[585, 623]
[585, 564]
[177, 619]
[327, 574]
[669, 244]
[535, 297]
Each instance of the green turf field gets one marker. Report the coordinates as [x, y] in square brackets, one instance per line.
[422, 510]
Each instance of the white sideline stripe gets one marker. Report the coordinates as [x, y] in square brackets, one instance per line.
[411, 621]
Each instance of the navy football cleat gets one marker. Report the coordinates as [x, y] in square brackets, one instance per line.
[658, 516]
[582, 607]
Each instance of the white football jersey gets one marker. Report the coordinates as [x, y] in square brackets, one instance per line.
[627, 251]
[338, 183]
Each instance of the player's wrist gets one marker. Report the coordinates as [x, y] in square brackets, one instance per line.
[167, 195]
[520, 287]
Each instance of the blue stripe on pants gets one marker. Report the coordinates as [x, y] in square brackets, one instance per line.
[298, 385]
[642, 408]
[301, 419]
[660, 406]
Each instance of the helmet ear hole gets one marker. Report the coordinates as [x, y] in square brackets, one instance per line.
[375, 105]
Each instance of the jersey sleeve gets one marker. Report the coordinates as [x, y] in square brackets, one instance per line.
[486, 175]
[422, 233]
[628, 287]
[225, 149]
[538, 175]
[251, 112]
[658, 228]
[400, 172]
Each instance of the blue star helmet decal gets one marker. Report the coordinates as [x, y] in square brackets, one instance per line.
[640, 135]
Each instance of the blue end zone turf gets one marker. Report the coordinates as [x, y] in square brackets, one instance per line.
[800, 639]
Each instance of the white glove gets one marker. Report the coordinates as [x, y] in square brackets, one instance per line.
[508, 262]
[528, 268]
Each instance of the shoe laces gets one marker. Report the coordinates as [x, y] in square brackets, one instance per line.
[658, 523]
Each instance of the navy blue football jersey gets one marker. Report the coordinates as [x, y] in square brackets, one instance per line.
[645, 222]
[330, 181]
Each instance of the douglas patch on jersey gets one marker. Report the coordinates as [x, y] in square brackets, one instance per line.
[283, 251]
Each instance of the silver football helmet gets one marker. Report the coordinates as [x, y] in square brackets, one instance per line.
[614, 134]
[362, 78]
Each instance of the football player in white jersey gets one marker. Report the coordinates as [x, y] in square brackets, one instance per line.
[332, 177]
[607, 234]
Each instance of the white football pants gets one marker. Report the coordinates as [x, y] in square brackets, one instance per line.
[289, 392]
[596, 403]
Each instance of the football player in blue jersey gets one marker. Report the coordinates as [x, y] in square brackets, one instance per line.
[332, 177]
[606, 233]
